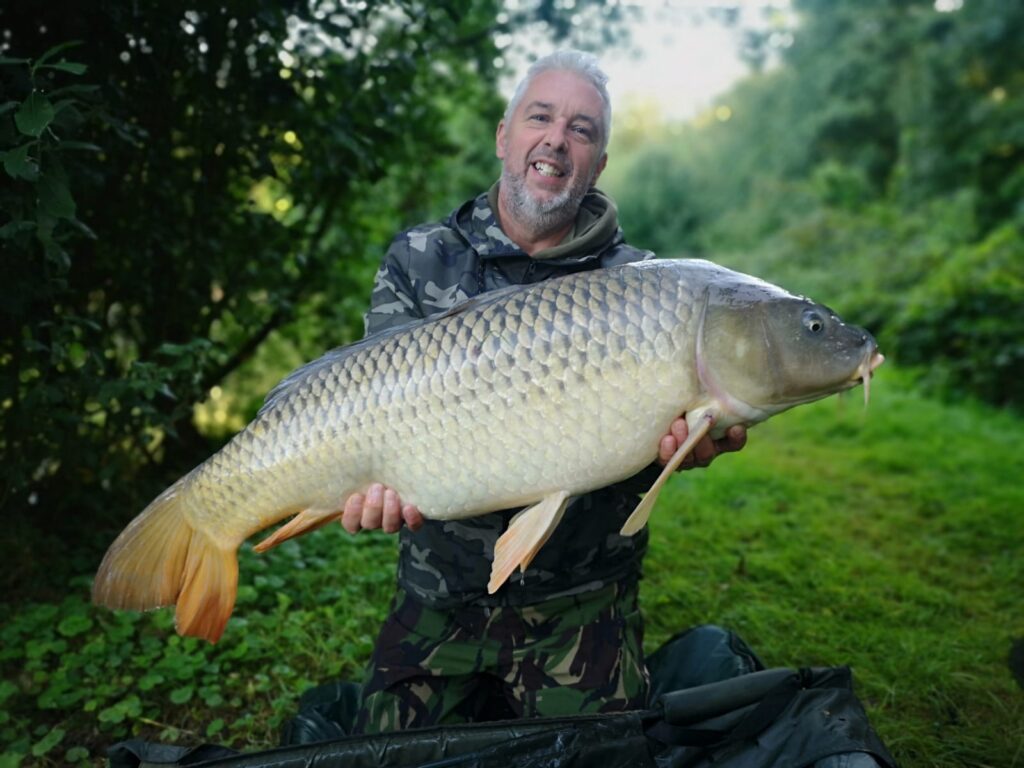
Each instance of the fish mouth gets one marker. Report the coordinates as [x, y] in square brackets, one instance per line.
[862, 374]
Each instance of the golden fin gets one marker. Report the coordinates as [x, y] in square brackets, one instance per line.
[640, 515]
[160, 559]
[307, 520]
[208, 589]
[142, 568]
[527, 533]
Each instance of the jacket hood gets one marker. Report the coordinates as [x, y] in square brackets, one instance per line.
[595, 230]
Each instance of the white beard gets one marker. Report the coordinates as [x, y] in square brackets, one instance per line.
[541, 217]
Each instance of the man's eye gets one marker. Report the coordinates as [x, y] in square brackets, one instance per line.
[584, 131]
[539, 118]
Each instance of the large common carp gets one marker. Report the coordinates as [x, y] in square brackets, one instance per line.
[523, 396]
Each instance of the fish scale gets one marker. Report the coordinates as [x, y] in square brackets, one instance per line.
[585, 361]
[525, 396]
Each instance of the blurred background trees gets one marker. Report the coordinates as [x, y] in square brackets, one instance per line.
[194, 202]
[879, 167]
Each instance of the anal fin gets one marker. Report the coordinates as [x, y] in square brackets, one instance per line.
[640, 515]
[526, 534]
[307, 520]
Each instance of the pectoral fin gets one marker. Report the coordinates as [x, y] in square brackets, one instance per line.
[307, 520]
[526, 534]
[638, 519]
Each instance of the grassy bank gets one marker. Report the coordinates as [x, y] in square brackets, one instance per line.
[891, 542]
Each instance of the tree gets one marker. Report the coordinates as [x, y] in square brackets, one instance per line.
[181, 182]
[878, 169]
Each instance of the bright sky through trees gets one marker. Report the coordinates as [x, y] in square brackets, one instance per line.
[682, 54]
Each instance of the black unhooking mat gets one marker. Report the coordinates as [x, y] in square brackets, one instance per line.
[713, 706]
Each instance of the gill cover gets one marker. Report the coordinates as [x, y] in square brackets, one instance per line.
[762, 350]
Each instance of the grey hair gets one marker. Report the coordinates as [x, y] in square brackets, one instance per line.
[581, 63]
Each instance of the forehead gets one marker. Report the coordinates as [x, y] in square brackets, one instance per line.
[563, 91]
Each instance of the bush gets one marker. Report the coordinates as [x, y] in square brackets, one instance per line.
[964, 324]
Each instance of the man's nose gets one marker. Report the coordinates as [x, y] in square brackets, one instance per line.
[557, 136]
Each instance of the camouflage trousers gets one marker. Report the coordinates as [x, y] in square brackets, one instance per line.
[567, 656]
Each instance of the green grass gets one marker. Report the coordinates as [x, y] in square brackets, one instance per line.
[890, 541]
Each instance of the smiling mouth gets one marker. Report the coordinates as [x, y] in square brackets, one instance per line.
[546, 169]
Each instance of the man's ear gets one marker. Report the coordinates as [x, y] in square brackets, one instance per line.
[499, 140]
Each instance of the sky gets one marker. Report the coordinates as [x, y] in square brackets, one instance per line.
[680, 57]
[681, 66]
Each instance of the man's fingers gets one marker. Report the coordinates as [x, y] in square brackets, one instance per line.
[733, 440]
[373, 507]
[391, 516]
[351, 518]
[379, 507]
[677, 434]
[412, 517]
[666, 448]
[704, 451]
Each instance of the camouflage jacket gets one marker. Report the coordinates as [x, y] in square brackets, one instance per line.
[432, 267]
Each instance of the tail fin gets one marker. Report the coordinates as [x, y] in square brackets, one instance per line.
[160, 559]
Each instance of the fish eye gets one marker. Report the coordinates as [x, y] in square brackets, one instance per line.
[813, 321]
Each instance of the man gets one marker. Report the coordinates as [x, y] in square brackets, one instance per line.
[565, 637]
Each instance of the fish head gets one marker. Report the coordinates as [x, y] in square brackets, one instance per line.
[762, 350]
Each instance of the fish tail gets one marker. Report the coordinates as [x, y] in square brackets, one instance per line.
[161, 559]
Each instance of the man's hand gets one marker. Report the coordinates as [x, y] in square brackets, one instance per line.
[702, 453]
[379, 508]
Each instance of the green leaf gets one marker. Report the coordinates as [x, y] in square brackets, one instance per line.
[54, 196]
[63, 104]
[112, 714]
[181, 695]
[41, 61]
[215, 727]
[13, 228]
[79, 145]
[66, 66]
[7, 689]
[130, 706]
[76, 623]
[83, 228]
[75, 754]
[19, 165]
[48, 742]
[35, 114]
[150, 680]
[7, 106]
[76, 88]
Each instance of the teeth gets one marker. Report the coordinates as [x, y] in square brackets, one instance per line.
[545, 169]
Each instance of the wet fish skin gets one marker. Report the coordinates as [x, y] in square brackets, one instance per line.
[527, 395]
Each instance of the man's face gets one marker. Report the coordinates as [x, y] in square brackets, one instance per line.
[551, 150]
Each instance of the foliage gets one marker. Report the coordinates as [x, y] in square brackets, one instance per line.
[883, 150]
[77, 678]
[968, 311]
[834, 537]
[183, 183]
